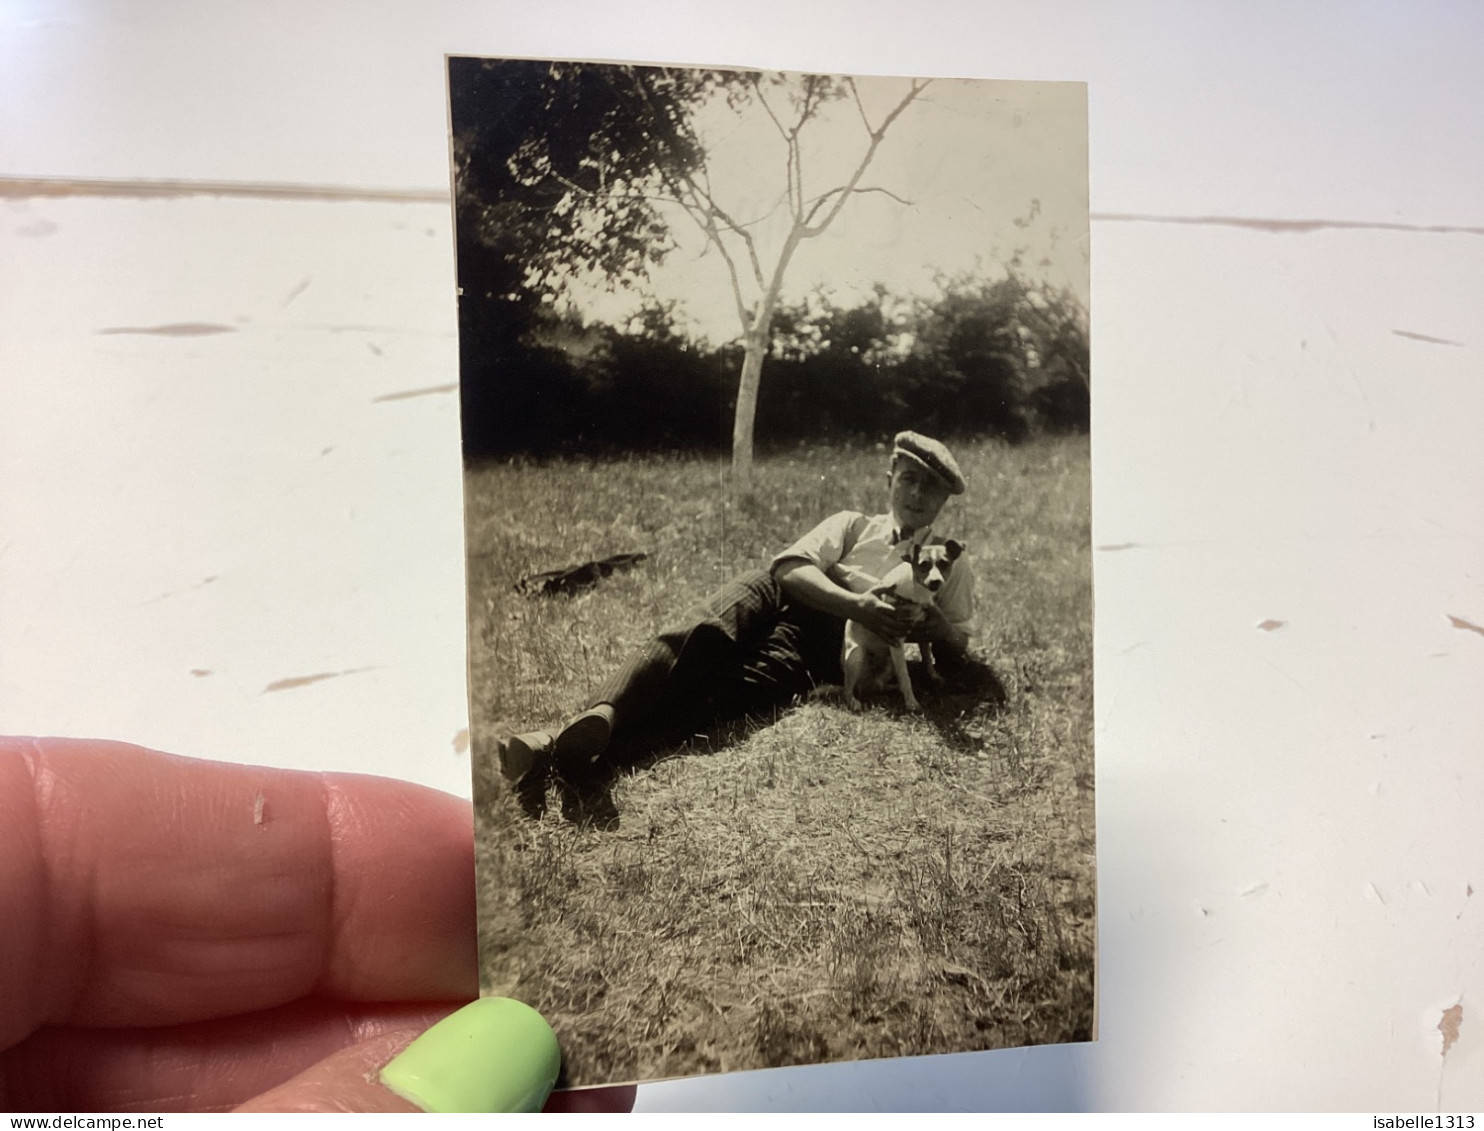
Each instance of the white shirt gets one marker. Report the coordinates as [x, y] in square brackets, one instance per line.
[856, 551]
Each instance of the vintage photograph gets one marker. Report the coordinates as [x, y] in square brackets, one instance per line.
[775, 396]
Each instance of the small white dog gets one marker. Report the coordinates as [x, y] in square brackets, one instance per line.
[865, 657]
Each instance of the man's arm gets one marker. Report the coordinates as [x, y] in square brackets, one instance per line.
[806, 583]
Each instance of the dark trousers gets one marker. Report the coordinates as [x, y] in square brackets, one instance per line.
[748, 649]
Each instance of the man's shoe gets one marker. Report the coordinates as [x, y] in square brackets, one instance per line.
[525, 756]
[582, 742]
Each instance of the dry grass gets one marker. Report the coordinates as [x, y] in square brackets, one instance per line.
[829, 886]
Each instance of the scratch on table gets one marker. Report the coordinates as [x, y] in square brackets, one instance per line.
[292, 682]
[1286, 675]
[1465, 625]
[174, 329]
[1287, 227]
[205, 581]
[1426, 338]
[29, 188]
[1271, 625]
[298, 290]
[402, 396]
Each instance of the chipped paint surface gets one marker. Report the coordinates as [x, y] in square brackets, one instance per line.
[292, 682]
[414, 393]
[31, 188]
[1426, 338]
[461, 742]
[174, 329]
[205, 581]
[299, 288]
[1289, 227]
[298, 681]
[1449, 1025]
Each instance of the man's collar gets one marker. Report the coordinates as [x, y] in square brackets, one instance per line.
[898, 534]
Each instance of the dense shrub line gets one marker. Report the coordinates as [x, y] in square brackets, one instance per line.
[999, 358]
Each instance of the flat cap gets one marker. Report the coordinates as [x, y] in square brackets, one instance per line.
[932, 455]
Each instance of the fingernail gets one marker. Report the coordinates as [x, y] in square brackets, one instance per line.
[495, 1054]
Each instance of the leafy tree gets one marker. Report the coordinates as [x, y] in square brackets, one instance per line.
[556, 167]
[1004, 357]
[1055, 329]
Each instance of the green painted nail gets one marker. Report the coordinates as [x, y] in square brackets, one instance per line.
[495, 1054]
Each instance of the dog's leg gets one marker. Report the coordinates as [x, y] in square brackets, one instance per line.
[904, 681]
[928, 665]
[852, 677]
[853, 663]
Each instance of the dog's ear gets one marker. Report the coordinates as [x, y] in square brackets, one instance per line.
[954, 549]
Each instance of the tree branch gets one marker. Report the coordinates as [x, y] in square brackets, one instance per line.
[812, 230]
[715, 237]
[861, 191]
[855, 96]
[702, 200]
[763, 98]
[715, 212]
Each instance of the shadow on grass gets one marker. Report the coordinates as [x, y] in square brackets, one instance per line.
[969, 689]
[966, 689]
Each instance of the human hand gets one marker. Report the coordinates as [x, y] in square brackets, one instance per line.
[891, 622]
[180, 935]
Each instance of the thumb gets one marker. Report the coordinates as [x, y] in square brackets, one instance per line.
[494, 1054]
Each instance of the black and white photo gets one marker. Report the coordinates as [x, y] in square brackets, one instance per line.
[775, 399]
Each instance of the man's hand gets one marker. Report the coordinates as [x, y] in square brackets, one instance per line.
[894, 623]
[808, 584]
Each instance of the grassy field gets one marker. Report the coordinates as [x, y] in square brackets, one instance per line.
[828, 886]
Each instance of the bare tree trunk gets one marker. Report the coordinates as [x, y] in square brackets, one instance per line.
[746, 414]
[756, 340]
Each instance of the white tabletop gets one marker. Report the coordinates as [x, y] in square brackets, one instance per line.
[229, 471]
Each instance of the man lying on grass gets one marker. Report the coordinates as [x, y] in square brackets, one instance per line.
[769, 636]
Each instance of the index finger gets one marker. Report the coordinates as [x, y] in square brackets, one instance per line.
[145, 889]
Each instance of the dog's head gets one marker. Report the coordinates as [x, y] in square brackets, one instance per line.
[931, 564]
